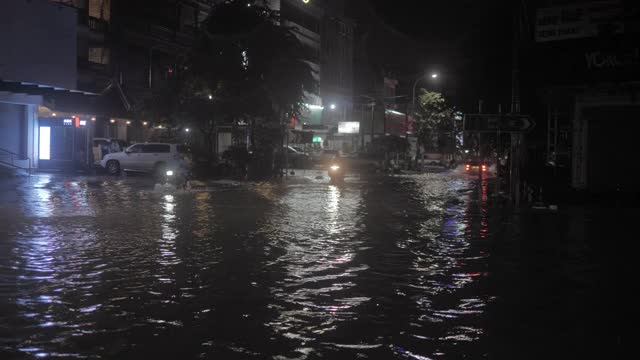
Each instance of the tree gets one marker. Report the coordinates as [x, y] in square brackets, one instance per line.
[244, 67]
[433, 121]
[254, 70]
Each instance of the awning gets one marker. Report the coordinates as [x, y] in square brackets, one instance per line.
[109, 104]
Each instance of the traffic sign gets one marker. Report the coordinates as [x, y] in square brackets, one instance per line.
[497, 122]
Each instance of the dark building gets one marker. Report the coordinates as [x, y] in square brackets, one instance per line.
[323, 27]
[580, 67]
[37, 69]
[386, 64]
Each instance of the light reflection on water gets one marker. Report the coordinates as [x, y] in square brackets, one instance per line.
[374, 268]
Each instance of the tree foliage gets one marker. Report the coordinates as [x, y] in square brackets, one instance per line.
[253, 66]
[244, 67]
[434, 122]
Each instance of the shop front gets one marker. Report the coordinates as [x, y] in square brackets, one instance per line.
[64, 143]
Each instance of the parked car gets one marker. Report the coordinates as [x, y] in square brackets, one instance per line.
[297, 158]
[145, 157]
[102, 147]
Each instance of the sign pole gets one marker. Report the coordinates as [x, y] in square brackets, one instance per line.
[498, 147]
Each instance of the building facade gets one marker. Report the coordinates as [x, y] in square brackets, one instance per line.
[581, 76]
[324, 29]
[40, 65]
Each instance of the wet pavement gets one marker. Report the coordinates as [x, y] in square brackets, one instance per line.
[399, 267]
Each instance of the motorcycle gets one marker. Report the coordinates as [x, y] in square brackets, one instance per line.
[177, 175]
[336, 173]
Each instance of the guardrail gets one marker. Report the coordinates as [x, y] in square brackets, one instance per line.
[12, 158]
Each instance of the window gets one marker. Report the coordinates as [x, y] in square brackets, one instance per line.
[135, 149]
[100, 9]
[156, 148]
[99, 55]
[189, 16]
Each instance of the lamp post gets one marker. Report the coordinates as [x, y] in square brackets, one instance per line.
[413, 101]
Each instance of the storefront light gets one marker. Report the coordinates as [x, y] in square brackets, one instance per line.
[45, 143]
[394, 112]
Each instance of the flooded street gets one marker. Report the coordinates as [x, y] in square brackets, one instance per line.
[404, 267]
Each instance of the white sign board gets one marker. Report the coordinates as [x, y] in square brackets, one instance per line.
[349, 127]
[579, 21]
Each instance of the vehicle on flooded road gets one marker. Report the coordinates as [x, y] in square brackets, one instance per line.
[336, 173]
[475, 166]
[146, 157]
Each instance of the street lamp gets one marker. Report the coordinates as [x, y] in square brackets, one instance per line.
[413, 101]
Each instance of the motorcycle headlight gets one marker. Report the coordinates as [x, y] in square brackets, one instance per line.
[169, 172]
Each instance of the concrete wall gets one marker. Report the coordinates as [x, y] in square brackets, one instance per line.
[39, 43]
[19, 130]
[12, 127]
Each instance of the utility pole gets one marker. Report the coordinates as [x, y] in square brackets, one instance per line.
[516, 137]
[362, 128]
[373, 105]
[498, 147]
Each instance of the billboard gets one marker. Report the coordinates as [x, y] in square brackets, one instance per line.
[577, 21]
[349, 127]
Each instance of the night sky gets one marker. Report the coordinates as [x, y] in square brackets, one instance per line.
[466, 39]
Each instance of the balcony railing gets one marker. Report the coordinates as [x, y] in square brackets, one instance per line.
[97, 25]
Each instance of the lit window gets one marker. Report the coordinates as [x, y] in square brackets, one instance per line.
[99, 55]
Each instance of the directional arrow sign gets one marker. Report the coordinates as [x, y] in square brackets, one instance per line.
[495, 122]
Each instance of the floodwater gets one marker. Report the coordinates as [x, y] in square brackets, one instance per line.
[403, 267]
